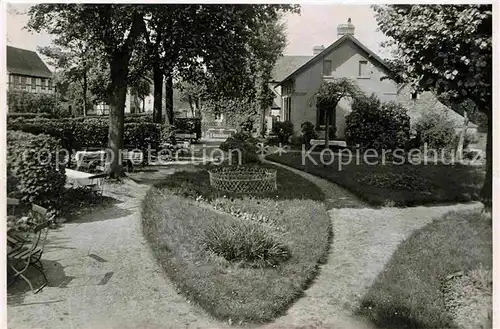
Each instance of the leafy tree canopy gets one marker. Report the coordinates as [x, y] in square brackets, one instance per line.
[445, 48]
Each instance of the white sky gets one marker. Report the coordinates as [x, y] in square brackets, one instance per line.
[316, 25]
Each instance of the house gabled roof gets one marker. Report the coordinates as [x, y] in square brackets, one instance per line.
[26, 62]
[285, 65]
[333, 46]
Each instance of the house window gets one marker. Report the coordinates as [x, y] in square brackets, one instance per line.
[322, 117]
[23, 82]
[43, 84]
[33, 84]
[363, 69]
[327, 67]
[288, 108]
[414, 95]
[50, 84]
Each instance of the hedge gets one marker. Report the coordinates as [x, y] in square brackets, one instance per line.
[28, 102]
[34, 117]
[33, 170]
[76, 134]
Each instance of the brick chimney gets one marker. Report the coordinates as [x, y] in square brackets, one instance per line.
[318, 49]
[343, 29]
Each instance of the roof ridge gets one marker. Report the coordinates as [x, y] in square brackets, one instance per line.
[335, 45]
[24, 49]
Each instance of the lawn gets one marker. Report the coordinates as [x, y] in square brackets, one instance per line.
[409, 292]
[240, 257]
[392, 184]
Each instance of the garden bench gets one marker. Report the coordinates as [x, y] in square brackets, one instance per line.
[27, 252]
[220, 132]
[330, 143]
[181, 135]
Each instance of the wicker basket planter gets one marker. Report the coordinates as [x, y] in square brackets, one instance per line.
[242, 179]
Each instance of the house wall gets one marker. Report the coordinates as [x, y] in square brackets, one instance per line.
[30, 83]
[345, 63]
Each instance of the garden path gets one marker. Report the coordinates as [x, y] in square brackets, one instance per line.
[103, 275]
[363, 242]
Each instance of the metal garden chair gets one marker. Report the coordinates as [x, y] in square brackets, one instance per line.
[19, 260]
[14, 240]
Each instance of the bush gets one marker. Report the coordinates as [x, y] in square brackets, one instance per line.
[377, 125]
[22, 101]
[296, 141]
[245, 143]
[332, 132]
[189, 125]
[308, 132]
[247, 126]
[437, 130]
[33, 169]
[470, 138]
[283, 129]
[246, 242]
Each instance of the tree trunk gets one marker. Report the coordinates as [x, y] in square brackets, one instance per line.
[460, 146]
[191, 106]
[117, 94]
[327, 128]
[85, 88]
[169, 99]
[486, 191]
[158, 91]
[144, 104]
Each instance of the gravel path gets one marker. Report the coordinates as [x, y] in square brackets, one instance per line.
[103, 275]
[363, 242]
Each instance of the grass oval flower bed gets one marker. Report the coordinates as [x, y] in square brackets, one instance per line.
[241, 257]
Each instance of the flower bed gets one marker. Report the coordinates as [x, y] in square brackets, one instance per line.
[244, 257]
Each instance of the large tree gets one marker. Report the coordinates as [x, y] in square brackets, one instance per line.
[189, 42]
[211, 45]
[241, 104]
[114, 28]
[73, 60]
[445, 49]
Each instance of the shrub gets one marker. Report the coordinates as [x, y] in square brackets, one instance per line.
[272, 140]
[190, 125]
[246, 242]
[33, 168]
[377, 125]
[469, 138]
[247, 126]
[142, 135]
[245, 143]
[283, 129]
[308, 132]
[26, 102]
[437, 130]
[332, 132]
[296, 141]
